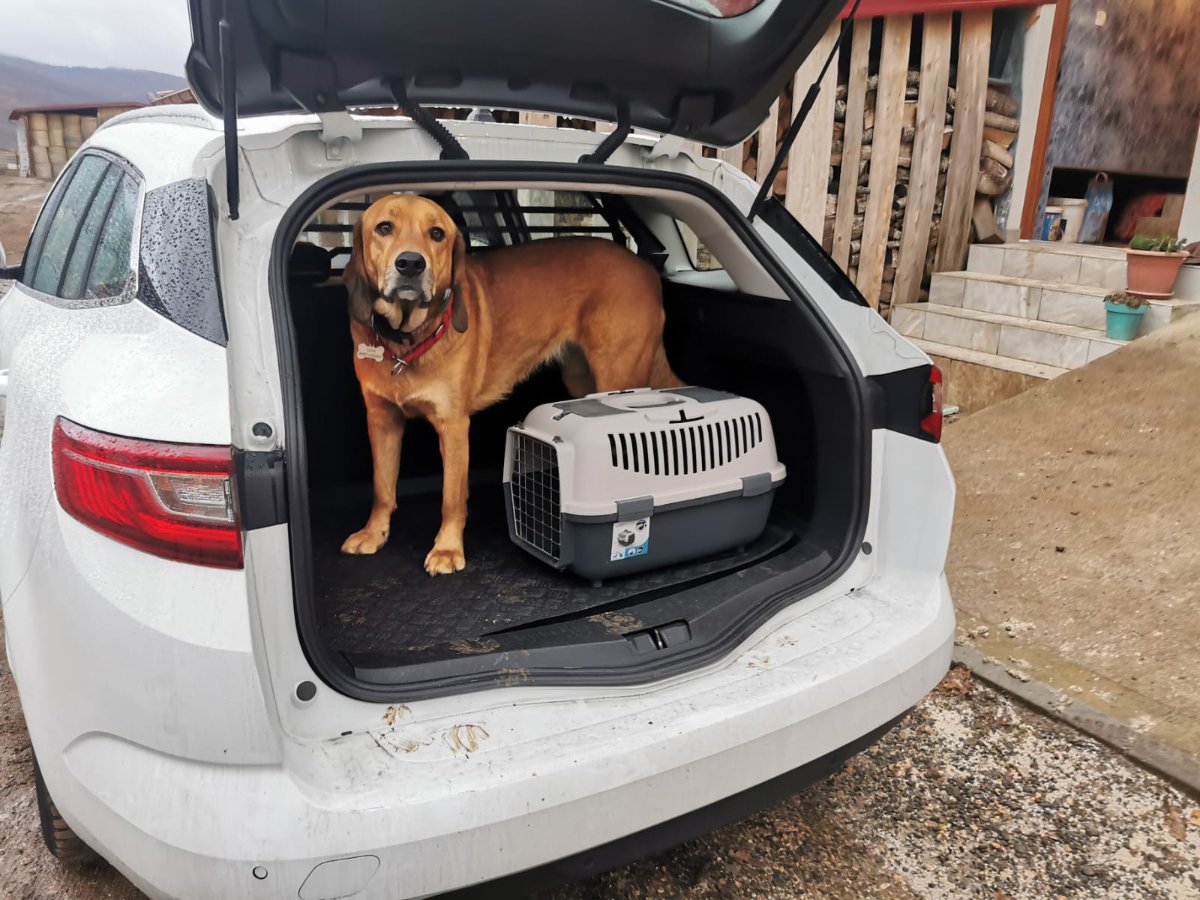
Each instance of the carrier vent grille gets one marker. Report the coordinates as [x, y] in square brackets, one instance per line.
[536, 496]
[686, 450]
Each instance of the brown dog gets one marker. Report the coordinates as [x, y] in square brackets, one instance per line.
[441, 334]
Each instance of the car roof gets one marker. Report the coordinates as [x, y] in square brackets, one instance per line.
[165, 142]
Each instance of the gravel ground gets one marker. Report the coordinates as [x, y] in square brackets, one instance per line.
[972, 796]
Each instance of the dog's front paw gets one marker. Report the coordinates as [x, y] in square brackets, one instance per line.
[445, 561]
[364, 543]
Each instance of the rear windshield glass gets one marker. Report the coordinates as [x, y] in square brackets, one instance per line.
[720, 8]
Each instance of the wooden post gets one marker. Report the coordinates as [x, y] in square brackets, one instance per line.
[885, 148]
[808, 160]
[1041, 135]
[974, 48]
[927, 151]
[856, 102]
[768, 134]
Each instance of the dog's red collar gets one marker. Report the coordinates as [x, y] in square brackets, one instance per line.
[400, 363]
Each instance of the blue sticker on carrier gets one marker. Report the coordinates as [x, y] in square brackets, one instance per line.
[630, 539]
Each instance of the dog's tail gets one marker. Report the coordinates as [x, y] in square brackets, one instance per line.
[661, 374]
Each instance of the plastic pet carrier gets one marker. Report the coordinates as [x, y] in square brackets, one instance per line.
[617, 483]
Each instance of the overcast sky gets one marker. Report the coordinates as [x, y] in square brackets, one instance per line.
[129, 34]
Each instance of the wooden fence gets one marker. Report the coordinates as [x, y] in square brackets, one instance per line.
[886, 168]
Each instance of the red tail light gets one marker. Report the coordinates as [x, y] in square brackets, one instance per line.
[172, 500]
[931, 424]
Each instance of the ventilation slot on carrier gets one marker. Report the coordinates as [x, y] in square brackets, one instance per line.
[686, 450]
[536, 496]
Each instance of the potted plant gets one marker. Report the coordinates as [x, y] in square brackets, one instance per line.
[1125, 311]
[1152, 264]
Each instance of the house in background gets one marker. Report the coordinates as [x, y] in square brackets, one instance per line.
[1114, 98]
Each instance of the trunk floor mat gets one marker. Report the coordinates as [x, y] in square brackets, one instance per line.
[387, 604]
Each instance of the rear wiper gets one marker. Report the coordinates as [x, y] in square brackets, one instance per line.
[789, 136]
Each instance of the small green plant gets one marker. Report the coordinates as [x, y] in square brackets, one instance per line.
[1165, 243]
[1124, 298]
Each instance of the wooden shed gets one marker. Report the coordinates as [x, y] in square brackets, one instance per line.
[48, 136]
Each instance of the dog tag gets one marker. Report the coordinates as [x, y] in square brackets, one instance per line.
[366, 351]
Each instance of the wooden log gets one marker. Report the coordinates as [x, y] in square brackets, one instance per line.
[1002, 123]
[808, 160]
[893, 75]
[963, 177]
[992, 150]
[983, 218]
[852, 163]
[1000, 102]
[994, 179]
[1000, 138]
[926, 155]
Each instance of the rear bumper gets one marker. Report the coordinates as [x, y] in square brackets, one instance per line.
[666, 835]
[420, 807]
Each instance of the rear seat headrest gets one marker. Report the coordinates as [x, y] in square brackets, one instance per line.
[309, 263]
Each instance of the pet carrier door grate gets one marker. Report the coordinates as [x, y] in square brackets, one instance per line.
[536, 496]
[623, 482]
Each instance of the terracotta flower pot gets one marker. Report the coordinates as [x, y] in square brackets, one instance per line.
[1152, 274]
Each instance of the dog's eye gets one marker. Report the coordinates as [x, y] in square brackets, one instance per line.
[383, 229]
[437, 234]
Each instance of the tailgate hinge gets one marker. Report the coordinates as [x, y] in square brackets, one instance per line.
[339, 129]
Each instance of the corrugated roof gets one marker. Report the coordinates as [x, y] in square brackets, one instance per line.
[73, 108]
[167, 98]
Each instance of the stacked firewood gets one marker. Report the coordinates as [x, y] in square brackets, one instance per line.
[995, 161]
[903, 176]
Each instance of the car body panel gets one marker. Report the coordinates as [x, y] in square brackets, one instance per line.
[680, 71]
[151, 686]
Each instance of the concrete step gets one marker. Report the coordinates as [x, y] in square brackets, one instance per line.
[1045, 301]
[1076, 264]
[1029, 340]
[990, 360]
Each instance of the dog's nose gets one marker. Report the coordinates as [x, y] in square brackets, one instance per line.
[410, 263]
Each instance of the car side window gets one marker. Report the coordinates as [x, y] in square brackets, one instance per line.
[109, 269]
[50, 262]
[89, 232]
[80, 248]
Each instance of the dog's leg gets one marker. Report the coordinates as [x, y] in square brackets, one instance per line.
[447, 555]
[385, 426]
[576, 373]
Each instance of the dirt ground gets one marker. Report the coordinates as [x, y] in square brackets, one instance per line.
[20, 199]
[1084, 531]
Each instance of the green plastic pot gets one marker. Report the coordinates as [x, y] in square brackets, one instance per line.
[1122, 321]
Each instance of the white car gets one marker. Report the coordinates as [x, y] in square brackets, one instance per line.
[223, 705]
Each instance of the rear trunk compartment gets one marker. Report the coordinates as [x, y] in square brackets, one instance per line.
[380, 626]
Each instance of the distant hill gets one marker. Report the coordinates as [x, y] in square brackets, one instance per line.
[27, 83]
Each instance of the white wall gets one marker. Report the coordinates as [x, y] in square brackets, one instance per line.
[1033, 77]
[1189, 226]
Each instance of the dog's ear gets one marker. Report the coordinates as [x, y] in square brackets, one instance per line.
[358, 287]
[458, 282]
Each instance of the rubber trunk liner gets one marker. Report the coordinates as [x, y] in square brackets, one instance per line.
[386, 605]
